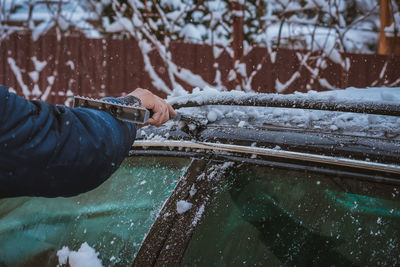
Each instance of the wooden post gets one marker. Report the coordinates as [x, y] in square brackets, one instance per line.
[387, 44]
[238, 35]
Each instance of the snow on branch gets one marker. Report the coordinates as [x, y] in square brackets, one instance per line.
[281, 87]
[18, 75]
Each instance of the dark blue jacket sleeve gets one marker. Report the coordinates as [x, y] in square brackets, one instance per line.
[48, 150]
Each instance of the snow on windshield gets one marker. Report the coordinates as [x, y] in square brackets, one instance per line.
[85, 256]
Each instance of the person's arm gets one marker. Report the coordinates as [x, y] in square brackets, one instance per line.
[48, 150]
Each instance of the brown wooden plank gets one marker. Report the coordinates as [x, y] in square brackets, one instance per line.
[92, 67]
[285, 66]
[85, 67]
[23, 59]
[10, 51]
[393, 73]
[225, 64]
[263, 81]
[115, 68]
[134, 71]
[204, 63]
[98, 70]
[333, 74]
[161, 70]
[51, 53]
[185, 56]
[74, 83]
[3, 62]
[37, 51]
[63, 73]
[45, 50]
[359, 68]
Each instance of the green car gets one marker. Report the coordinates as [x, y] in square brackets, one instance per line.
[240, 180]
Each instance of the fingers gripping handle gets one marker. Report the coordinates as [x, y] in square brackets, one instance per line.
[174, 118]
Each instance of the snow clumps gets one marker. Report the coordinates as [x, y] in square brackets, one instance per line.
[84, 257]
[183, 206]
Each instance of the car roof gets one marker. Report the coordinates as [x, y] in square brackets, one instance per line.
[227, 130]
[349, 128]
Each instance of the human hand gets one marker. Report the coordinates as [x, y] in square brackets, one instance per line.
[161, 109]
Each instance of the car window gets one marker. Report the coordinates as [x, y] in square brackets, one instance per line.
[113, 219]
[269, 217]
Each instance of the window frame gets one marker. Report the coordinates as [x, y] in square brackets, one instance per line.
[166, 242]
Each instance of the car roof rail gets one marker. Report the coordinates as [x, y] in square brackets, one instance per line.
[294, 101]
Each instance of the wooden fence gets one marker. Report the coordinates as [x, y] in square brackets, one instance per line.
[54, 69]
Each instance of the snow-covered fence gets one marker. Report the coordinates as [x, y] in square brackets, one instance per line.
[54, 69]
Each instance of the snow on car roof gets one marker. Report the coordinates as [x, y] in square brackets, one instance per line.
[376, 95]
[347, 123]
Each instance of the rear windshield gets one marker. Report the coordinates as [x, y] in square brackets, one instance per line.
[269, 217]
[113, 219]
